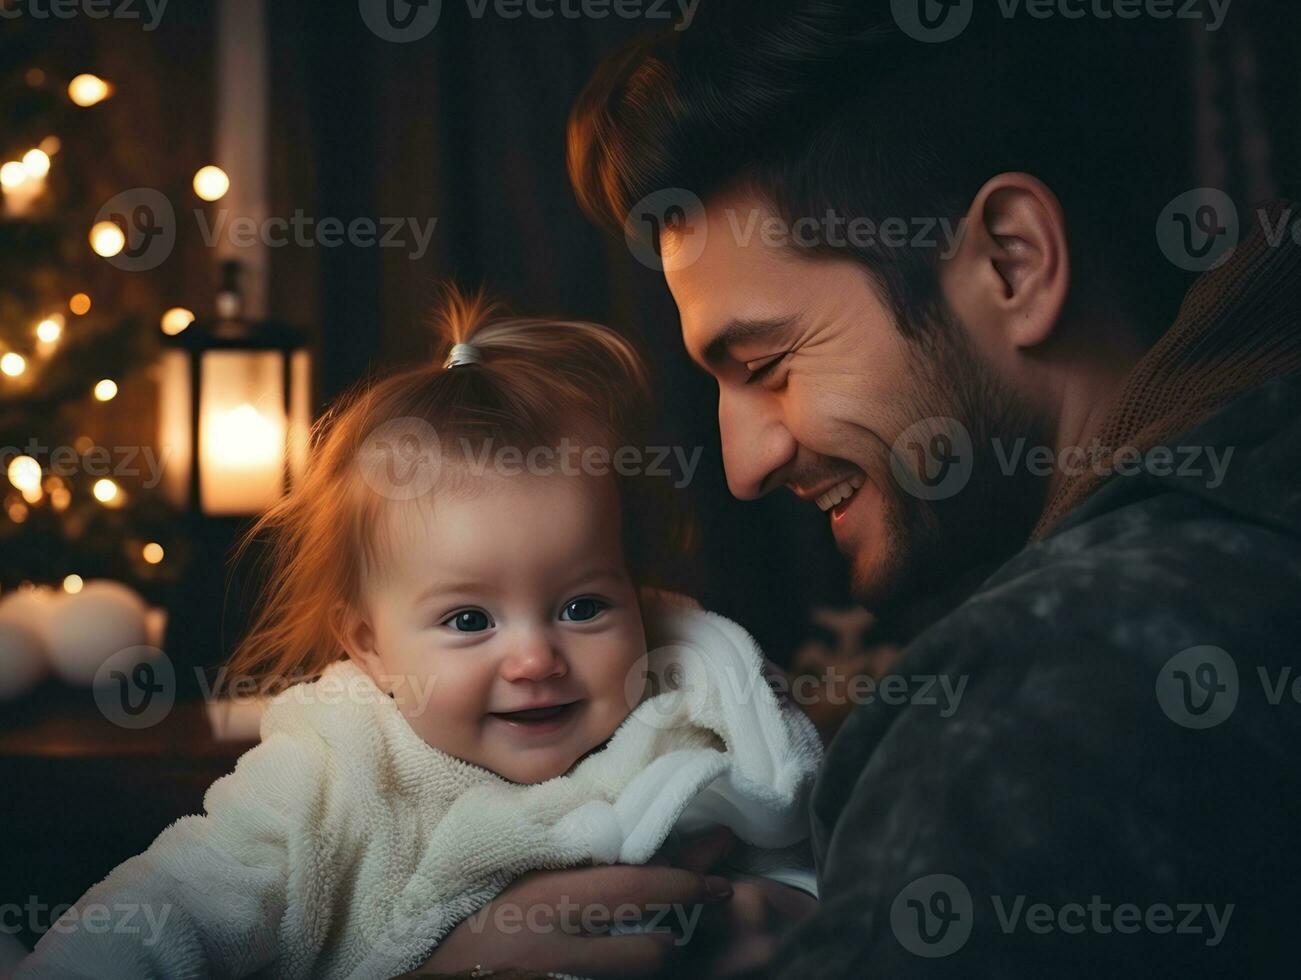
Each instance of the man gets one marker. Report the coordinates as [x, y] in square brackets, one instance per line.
[926, 279]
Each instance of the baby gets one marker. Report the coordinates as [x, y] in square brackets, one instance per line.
[468, 682]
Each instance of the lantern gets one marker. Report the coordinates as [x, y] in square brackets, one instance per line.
[235, 409]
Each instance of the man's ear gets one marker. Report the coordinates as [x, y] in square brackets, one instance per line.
[357, 637]
[1010, 275]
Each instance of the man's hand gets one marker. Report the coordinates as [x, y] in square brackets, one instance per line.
[738, 938]
[559, 921]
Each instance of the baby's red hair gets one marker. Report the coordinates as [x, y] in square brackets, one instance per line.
[539, 381]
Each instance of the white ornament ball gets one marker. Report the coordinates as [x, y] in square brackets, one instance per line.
[33, 608]
[91, 626]
[23, 663]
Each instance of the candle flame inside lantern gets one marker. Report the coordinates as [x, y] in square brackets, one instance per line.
[244, 438]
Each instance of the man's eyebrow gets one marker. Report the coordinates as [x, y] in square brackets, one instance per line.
[738, 332]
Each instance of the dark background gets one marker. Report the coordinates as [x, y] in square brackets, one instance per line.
[467, 125]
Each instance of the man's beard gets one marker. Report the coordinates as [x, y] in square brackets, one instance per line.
[932, 552]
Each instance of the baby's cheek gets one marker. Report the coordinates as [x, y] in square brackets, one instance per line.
[446, 704]
[621, 682]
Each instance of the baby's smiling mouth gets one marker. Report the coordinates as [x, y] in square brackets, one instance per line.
[539, 716]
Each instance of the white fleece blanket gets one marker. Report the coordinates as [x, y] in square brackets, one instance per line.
[344, 845]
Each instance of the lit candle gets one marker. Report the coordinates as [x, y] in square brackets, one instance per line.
[242, 459]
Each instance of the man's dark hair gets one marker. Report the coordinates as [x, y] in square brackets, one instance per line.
[824, 105]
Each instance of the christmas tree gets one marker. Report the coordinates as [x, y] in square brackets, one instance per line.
[71, 508]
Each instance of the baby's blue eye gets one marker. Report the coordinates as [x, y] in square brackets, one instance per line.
[581, 610]
[468, 621]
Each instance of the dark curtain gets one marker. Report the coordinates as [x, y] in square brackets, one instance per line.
[467, 126]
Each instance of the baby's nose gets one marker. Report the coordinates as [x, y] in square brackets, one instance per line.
[534, 658]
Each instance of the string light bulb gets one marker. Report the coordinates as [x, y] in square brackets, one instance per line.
[79, 304]
[106, 390]
[24, 473]
[211, 183]
[72, 584]
[12, 175]
[49, 330]
[13, 364]
[152, 553]
[36, 163]
[106, 491]
[107, 239]
[176, 320]
[87, 90]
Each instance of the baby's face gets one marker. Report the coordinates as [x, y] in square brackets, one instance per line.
[506, 624]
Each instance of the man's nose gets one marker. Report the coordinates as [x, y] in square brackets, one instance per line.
[533, 657]
[757, 446]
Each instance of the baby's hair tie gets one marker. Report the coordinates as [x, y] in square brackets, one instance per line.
[463, 354]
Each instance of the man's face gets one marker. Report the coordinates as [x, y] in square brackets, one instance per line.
[817, 387]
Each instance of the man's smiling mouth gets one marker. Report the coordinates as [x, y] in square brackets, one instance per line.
[840, 493]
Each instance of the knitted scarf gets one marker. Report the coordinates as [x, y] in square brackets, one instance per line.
[1239, 326]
